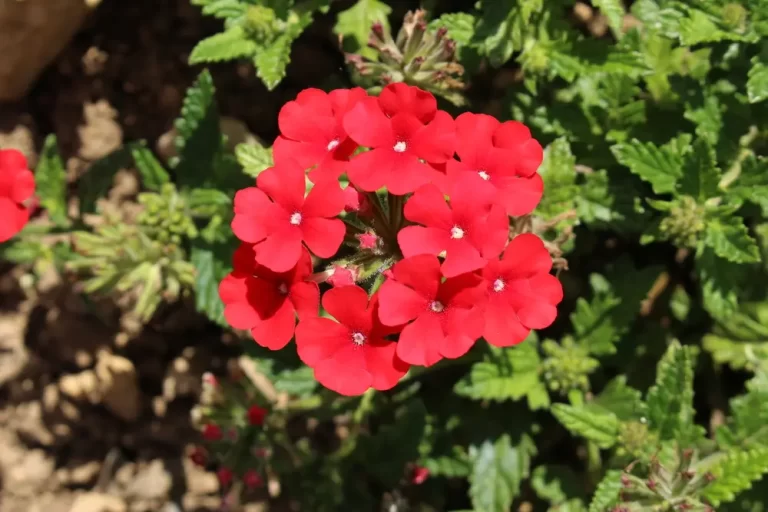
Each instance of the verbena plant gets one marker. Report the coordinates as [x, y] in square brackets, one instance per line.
[655, 194]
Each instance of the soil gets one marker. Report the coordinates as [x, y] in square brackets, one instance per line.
[94, 408]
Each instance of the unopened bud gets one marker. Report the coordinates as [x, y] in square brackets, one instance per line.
[449, 48]
[709, 477]
[225, 476]
[418, 61]
[419, 475]
[341, 276]
[252, 479]
[688, 475]
[687, 453]
[421, 25]
[368, 240]
[685, 506]
[386, 79]
[378, 29]
[198, 456]
[256, 415]
[441, 32]
[232, 434]
[651, 484]
[212, 432]
[625, 481]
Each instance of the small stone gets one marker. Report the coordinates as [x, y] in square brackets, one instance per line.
[120, 386]
[152, 482]
[97, 502]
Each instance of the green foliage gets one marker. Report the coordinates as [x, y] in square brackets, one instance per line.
[354, 24]
[607, 492]
[600, 428]
[735, 473]
[51, 182]
[498, 468]
[254, 159]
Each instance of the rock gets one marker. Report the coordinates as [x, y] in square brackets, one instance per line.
[97, 502]
[152, 482]
[198, 480]
[30, 474]
[20, 137]
[34, 32]
[29, 424]
[81, 386]
[119, 385]
[13, 352]
[101, 134]
[183, 377]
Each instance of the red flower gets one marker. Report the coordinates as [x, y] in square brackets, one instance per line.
[256, 415]
[368, 241]
[504, 156]
[404, 130]
[267, 302]
[17, 184]
[312, 131]
[443, 321]
[351, 355]
[279, 227]
[419, 475]
[471, 230]
[198, 456]
[522, 294]
[225, 476]
[212, 432]
[341, 276]
[356, 202]
[252, 479]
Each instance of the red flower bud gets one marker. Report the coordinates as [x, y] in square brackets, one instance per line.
[225, 476]
[419, 475]
[368, 240]
[441, 32]
[378, 29]
[212, 432]
[256, 415]
[199, 456]
[341, 276]
[252, 479]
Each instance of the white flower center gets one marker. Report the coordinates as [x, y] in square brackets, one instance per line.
[358, 338]
[436, 306]
[400, 147]
[498, 285]
[457, 232]
[333, 144]
[483, 175]
[295, 219]
[283, 289]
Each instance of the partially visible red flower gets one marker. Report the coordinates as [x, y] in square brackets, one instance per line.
[522, 294]
[368, 240]
[419, 475]
[252, 479]
[199, 456]
[504, 156]
[17, 184]
[471, 230]
[350, 355]
[404, 130]
[280, 225]
[341, 276]
[267, 302]
[355, 201]
[440, 316]
[225, 476]
[256, 415]
[313, 134]
[212, 432]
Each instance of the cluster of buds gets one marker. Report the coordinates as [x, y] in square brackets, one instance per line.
[165, 217]
[673, 484]
[418, 56]
[685, 222]
[236, 439]
[567, 366]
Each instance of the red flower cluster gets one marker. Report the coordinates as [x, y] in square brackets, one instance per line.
[421, 264]
[17, 184]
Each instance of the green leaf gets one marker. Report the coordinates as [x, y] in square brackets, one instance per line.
[752, 182]
[748, 423]
[460, 26]
[153, 174]
[600, 428]
[51, 182]
[660, 166]
[498, 468]
[272, 60]
[501, 29]
[229, 45]
[212, 263]
[614, 12]
[558, 170]
[507, 374]
[735, 473]
[97, 181]
[607, 492]
[618, 398]
[354, 25]
[757, 81]
[556, 484]
[708, 119]
[670, 399]
[223, 9]
[253, 158]
[207, 202]
[700, 173]
[730, 239]
[449, 466]
[720, 282]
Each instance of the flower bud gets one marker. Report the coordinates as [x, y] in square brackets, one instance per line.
[199, 456]
[225, 476]
[341, 276]
[212, 432]
[256, 415]
[252, 479]
[419, 475]
[368, 241]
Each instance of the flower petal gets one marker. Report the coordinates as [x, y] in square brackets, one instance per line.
[407, 173]
[385, 367]
[474, 135]
[305, 298]
[461, 257]
[519, 195]
[309, 118]
[349, 305]
[525, 256]
[419, 343]
[305, 154]
[251, 208]
[490, 234]
[415, 240]
[399, 304]
[421, 273]
[12, 159]
[367, 125]
[400, 98]
[427, 206]
[23, 186]
[323, 236]
[285, 183]
[502, 327]
[13, 218]
[277, 330]
[319, 338]
[371, 170]
[436, 142]
[528, 152]
[345, 372]
[325, 199]
[281, 250]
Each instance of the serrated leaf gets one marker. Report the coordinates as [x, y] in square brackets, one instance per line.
[661, 166]
[607, 492]
[449, 466]
[354, 25]
[498, 468]
[752, 182]
[229, 45]
[720, 282]
[749, 418]
[556, 484]
[618, 398]
[670, 399]
[51, 182]
[272, 60]
[501, 28]
[701, 176]
[757, 81]
[600, 428]
[735, 473]
[614, 12]
[253, 158]
[153, 174]
[708, 119]
[222, 9]
[730, 239]
[460, 26]
[558, 170]
[507, 374]
[212, 263]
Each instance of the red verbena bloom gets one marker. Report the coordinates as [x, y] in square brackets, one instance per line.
[212, 432]
[256, 415]
[225, 476]
[504, 156]
[404, 129]
[419, 475]
[252, 479]
[280, 225]
[17, 184]
[356, 202]
[267, 302]
[350, 355]
[313, 134]
[440, 316]
[341, 276]
[522, 294]
[199, 456]
[470, 231]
